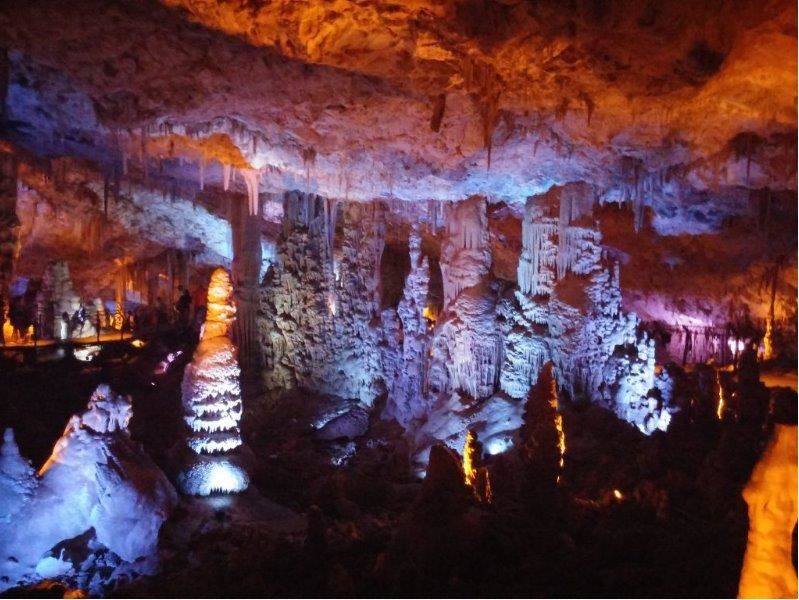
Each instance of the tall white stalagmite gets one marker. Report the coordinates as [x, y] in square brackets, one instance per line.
[212, 401]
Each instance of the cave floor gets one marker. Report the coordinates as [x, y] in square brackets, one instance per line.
[307, 527]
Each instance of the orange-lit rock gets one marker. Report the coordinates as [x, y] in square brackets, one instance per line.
[768, 570]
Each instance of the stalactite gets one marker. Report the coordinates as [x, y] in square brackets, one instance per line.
[252, 180]
[535, 263]
[308, 160]
[105, 195]
[227, 171]
[465, 255]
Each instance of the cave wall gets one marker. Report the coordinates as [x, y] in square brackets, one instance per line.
[473, 361]
[317, 303]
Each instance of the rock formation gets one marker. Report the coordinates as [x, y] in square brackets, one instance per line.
[212, 401]
[768, 569]
[63, 298]
[17, 478]
[408, 381]
[97, 480]
[316, 310]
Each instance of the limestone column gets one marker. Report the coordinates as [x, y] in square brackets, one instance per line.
[9, 223]
[246, 229]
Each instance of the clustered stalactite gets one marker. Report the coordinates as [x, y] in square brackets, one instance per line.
[605, 358]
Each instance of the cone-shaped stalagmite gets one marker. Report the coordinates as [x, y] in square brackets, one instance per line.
[212, 401]
[543, 441]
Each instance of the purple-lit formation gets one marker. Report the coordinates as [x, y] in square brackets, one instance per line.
[481, 343]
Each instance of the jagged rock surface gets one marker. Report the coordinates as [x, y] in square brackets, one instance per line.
[316, 311]
[96, 479]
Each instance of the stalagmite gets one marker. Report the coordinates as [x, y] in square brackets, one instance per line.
[544, 443]
[17, 478]
[407, 394]
[97, 483]
[212, 401]
[246, 230]
[768, 569]
[312, 335]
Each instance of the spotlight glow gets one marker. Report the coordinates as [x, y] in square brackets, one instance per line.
[224, 478]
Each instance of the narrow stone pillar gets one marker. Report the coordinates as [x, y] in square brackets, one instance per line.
[246, 228]
[9, 223]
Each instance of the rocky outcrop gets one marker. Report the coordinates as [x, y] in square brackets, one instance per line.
[316, 311]
[768, 570]
[96, 482]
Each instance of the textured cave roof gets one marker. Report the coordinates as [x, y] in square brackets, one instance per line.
[363, 99]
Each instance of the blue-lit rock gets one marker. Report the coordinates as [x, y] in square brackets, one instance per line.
[96, 479]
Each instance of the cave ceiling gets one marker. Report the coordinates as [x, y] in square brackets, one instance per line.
[413, 100]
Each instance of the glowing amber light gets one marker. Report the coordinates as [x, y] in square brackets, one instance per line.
[469, 472]
[618, 495]
[561, 434]
[720, 408]
[771, 497]
[768, 340]
[137, 343]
